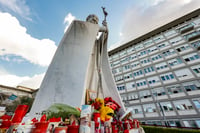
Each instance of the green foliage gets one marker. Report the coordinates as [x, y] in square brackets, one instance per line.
[62, 114]
[27, 101]
[13, 106]
[61, 110]
[152, 129]
[22, 100]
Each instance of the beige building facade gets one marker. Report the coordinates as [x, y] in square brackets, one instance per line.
[12, 93]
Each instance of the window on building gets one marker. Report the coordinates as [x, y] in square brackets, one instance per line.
[135, 64]
[142, 53]
[119, 78]
[149, 108]
[166, 106]
[193, 35]
[192, 85]
[155, 123]
[138, 73]
[121, 87]
[145, 61]
[163, 45]
[183, 74]
[137, 109]
[174, 123]
[191, 57]
[170, 33]
[168, 52]
[130, 86]
[133, 57]
[133, 85]
[196, 44]
[174, 89]
[159, 38]
[116, 63]
[186, 28]
[175, 62]
[167, 76]
[161, 66]
[117, 70]
[128, 76]
[196, 102]
[198, 123]
[124, 60]
[190, 123]
[158, 92]
[115, 56]
[183, 105]
[152, 49]
[126, 67]
[156, 57]
[111, 65]
[110, 58]
[183, 48]
[149, 69]
[197, 21]
[139, 47]
[148, 43]
[114, 71]
[133, 96]
[122, 53]
[176, 40]
[196, 70]
[124, 97]
[153, 80]
[141, 83]
[145, 94]
[130, 49]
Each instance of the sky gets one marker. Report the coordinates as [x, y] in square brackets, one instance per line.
[31, 30]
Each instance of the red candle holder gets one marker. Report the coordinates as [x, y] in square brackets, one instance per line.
[73, 129]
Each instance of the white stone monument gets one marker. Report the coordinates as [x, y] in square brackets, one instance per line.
[80, 63]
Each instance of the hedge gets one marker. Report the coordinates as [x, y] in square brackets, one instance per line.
[152, 129]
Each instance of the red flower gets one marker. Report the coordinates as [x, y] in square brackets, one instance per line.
[97, 105]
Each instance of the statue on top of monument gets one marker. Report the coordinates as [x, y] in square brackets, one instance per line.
[92, 18]
[98, 51]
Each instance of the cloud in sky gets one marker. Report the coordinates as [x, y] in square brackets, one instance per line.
[33, 82]
[9, 79]
[68, 20]
[148, 15]
[15, 41]
[18, 46]
[13, 80]
[17, 6]
[12, 58]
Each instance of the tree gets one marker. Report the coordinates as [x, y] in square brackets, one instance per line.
[25, 100]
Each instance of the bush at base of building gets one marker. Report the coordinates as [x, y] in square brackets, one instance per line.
[152, 129]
